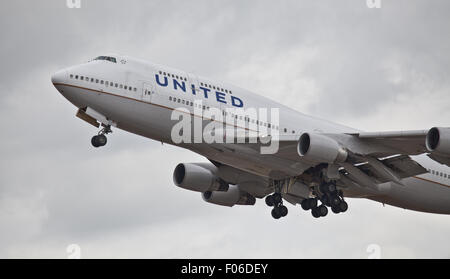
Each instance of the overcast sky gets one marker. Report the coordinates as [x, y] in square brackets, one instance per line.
[373, 69]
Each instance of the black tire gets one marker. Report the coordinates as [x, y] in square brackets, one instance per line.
[94, 141]
[305, 204]
[102, 140]
[283, 210]
[315, 212]
[276, 198]
[276, 213]
[269, 200]
[312, 203]
[343, 206]
[331, 188]
[323, 210]
[325, 200]
[335, 210]
[335, 201]
[323, 188]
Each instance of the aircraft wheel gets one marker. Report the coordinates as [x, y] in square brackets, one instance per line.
[312, 203]
[102, 140]
[305, 204]
[335, 201]
[276, 213]
[325, 199]
[270, 201]
[283, 210]
[277, 198]
[94, 141]
[335, 209]
[343, 206]
[315, 212]
[331, 188]
[323, 210]
[99, 140]
[327, 188]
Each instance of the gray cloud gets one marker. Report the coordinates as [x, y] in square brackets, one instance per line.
[374, 69]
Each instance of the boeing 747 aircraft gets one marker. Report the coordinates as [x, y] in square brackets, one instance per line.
[309, 161]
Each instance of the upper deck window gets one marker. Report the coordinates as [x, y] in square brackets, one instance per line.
[107, 58]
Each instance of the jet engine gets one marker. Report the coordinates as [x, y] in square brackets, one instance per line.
[229, 198]
[438, 141]
[198, 177]
[320, 148]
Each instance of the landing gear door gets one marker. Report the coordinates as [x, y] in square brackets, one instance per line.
[147, 92]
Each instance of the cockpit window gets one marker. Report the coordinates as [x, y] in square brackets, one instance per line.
[107, 58]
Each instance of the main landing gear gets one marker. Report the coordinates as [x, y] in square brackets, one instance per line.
[329, 196]
[100, 139]
[279, 210]
[312, 204]
[276, 200]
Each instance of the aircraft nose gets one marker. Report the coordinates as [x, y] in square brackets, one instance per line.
[59, 77]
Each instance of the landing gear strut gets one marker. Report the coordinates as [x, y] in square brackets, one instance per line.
[276, 200]
[100, 139]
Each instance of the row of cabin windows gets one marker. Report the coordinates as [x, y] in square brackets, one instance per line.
[438, 173]
[121, 86]
[172, 75]
[246, 118]
[215, 88]
[188, 103]
[201, 83]
[106, 83]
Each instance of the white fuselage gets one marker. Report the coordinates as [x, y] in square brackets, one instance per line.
[154, 92]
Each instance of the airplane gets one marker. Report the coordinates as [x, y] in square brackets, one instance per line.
[317, 164]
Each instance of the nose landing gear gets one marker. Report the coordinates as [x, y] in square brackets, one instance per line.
[100, 139]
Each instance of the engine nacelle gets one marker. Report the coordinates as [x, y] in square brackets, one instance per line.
[321, 149]
[196, 177]
[230, 198]
[438, 141]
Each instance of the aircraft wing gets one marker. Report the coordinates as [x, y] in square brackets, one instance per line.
[403, 142]
[366, 158]
[373, 158]
[377, 144]
[435, 142]
[402, 165]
